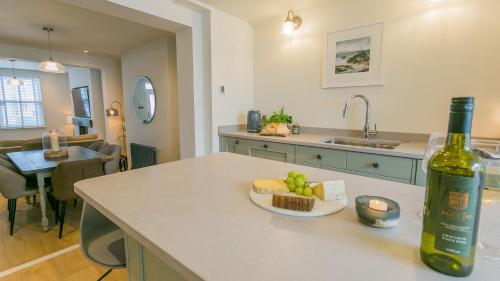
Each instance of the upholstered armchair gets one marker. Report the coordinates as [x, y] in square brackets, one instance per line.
[65, 176]
[13, 186]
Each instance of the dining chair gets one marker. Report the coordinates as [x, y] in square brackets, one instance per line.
[96, 146]
[101, 241]
[7, 164]
[64, 177]
[33, 145]
[113, 150]
[13, 186]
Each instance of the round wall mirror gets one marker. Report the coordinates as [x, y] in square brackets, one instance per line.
[144, 99]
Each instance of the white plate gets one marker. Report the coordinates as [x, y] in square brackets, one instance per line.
[321, 208]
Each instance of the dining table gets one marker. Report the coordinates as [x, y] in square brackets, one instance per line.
[33, 162]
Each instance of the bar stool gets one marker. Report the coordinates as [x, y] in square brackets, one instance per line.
[101, 241]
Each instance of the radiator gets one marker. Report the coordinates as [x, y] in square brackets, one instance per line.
[142, 155]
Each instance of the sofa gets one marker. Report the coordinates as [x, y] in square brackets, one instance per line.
[36, 143]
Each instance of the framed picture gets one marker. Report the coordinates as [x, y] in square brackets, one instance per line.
[353, 57]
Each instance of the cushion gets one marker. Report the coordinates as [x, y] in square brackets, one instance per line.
[108, 249]
[82, 137]
[10, 143]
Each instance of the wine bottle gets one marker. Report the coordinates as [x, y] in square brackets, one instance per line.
[455, 179]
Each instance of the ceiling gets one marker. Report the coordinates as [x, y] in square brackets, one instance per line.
[76, 29]
[255, 11]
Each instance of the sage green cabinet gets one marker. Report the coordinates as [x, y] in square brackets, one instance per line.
[321, 157]
[143, 265]
[398, 169]
[233, 145]
[421, 176]
[269, 150]
[380, 165]
[133, 251]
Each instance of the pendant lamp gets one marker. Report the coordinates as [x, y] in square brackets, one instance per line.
[50, 65]
[14, 81]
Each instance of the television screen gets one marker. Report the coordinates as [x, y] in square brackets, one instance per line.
[81, 102]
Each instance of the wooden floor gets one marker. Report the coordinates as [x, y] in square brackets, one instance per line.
[29, 242]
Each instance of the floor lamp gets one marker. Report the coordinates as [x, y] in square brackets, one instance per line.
[112, 111]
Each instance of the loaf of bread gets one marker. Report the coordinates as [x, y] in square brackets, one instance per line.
[275, 129]
[293, 202]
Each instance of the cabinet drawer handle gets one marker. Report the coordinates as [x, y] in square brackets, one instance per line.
[319, 157]
[375, 165]
[237, 142]
[265, 146]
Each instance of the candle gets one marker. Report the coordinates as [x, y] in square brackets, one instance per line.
[54, 141]
[377, 205]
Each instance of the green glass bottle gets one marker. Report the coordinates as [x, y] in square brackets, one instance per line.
[455, 178]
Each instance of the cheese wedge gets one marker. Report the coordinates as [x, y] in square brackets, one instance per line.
[330, 190]
[270, 186]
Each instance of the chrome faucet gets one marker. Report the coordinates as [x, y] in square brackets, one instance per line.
[366, 129]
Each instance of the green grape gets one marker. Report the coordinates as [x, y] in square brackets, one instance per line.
[299, 191]
[299, 182]
[292, 174]
[291, 186]
[308, 191]
[290, 180]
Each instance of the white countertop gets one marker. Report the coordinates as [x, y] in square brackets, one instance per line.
[196, 216]
[415, 150]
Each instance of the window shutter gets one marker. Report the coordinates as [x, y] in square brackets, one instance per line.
[21, 106]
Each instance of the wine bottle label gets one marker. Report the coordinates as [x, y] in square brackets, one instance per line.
[456, 207]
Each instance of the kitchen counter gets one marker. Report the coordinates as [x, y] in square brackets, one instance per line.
[409, 148]
[196, 217]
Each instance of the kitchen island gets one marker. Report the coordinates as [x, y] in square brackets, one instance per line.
[193, 220]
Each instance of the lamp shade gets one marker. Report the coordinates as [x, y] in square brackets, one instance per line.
[288, 27]
[112, 112]
[52, 67]
[14, 82]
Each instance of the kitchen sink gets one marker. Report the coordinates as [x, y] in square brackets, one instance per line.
[384, 144]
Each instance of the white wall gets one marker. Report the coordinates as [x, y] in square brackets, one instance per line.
[56, 104]
[202, 31]
[110, 74]
[81, 77]
[156, 60]
[433, 51]
[232, 67]
[98, 106]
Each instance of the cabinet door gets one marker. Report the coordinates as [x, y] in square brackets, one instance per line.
[133, 251]
[270, 150]
[421, 177]
[321, 157]
[142, 265]
[380, 165]
[234, 145]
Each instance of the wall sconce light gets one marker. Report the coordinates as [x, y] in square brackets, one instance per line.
[112, 112]
[292, 22]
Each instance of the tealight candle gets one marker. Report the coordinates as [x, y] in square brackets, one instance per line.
[377, 205]
[377, 211]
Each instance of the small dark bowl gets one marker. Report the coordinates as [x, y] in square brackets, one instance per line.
[376, 218]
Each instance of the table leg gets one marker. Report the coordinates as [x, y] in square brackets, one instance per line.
[41, 188]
